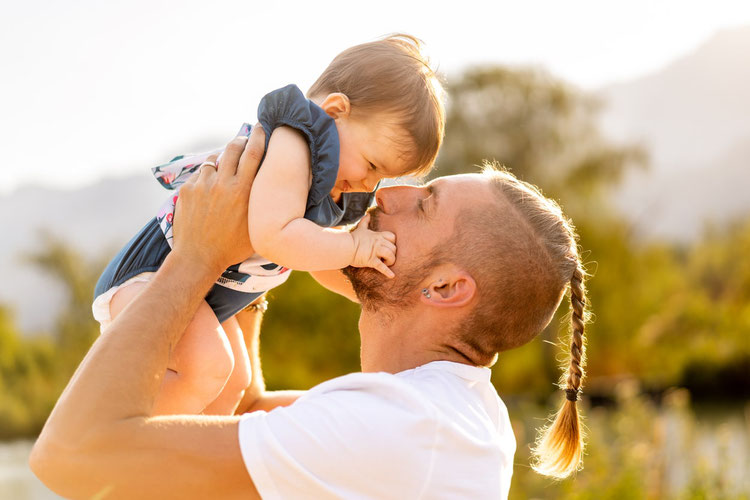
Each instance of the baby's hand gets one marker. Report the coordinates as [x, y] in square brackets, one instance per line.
[373, 249]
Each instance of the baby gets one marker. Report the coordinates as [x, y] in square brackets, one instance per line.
[375, 112]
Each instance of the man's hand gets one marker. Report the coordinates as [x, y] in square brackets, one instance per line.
[210, 225]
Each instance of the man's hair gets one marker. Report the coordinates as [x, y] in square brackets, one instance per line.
[392, 76]
[523, 255]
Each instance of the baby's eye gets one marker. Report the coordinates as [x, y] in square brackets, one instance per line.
[372, 167]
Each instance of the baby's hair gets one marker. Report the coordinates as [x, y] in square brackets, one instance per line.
[393, 77]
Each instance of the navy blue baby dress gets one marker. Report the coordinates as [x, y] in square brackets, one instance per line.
[242, 283]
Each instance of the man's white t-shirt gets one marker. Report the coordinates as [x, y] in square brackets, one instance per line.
[436, 431]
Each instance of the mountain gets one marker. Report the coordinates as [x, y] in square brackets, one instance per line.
[692, 117]
[95, 220]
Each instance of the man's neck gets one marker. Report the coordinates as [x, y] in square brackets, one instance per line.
[396, 342]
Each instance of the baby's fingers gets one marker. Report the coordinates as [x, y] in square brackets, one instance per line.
[388, 236]
[378, 265]
[386, 251]
[364, 222]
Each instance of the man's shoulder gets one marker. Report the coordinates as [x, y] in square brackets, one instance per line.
[359, 422]
[365, 391]
[436, 392]
[359, 381]
[420, 382]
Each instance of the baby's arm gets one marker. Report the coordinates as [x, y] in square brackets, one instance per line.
[335, 281]
[278, 229]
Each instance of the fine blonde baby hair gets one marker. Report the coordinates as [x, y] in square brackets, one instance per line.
[393, 77]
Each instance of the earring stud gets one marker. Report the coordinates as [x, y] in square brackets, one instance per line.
[426, 293]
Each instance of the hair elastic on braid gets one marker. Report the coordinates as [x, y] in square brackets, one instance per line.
[571, 394]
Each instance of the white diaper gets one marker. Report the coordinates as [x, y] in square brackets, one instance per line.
[100, 307]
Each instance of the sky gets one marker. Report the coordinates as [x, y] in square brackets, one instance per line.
[93, 89]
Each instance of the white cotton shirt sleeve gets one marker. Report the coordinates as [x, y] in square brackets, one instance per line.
[382, 436]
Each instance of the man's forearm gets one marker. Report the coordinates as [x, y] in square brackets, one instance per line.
[250, 321]
[256, 397]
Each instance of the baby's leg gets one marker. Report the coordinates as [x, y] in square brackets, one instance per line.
[227, 401]
[200, 363]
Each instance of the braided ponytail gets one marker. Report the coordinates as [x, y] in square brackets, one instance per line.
[545, 262]
[559, 448]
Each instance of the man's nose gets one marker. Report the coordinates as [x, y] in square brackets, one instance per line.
[392, 199]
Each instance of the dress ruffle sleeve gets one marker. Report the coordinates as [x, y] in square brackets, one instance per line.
[289, 106]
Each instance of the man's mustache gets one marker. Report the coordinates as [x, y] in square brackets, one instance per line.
[374, 212]
[374, 224]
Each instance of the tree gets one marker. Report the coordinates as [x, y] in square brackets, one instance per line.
[542, 129]
[76, 328]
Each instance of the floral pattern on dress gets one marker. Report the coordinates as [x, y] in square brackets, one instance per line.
[255, 274]
[175, 173]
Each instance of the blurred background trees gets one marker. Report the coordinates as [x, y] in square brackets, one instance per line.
[665, 315]
[538, 126]
[34, 370]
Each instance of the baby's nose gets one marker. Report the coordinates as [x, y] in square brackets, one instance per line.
[370, 182]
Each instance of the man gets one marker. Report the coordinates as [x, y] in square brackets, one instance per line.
[483, 261]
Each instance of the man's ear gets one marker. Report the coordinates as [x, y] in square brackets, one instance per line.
[455, 290]
[336, 105]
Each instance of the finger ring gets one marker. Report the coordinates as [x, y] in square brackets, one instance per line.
[208, 164]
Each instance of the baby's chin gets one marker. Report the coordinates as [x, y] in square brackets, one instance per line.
[336, 194]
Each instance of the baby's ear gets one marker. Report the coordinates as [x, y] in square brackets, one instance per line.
[337, 105]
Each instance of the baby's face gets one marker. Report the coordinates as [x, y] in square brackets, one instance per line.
[371, 150]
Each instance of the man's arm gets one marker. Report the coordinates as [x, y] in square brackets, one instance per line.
[100, 439]
[256, 397]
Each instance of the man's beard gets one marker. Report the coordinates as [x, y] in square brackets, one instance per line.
[368, 284]
[374, 290]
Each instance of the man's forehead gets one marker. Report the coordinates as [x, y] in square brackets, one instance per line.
[452, 195]
[458, 179]
[452, 186]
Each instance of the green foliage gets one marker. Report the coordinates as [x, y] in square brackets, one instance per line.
[660, 309]
[309, 335]
[542, 129]
[641, 450]
[76, 329]
[34, 371]
[26, 380]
